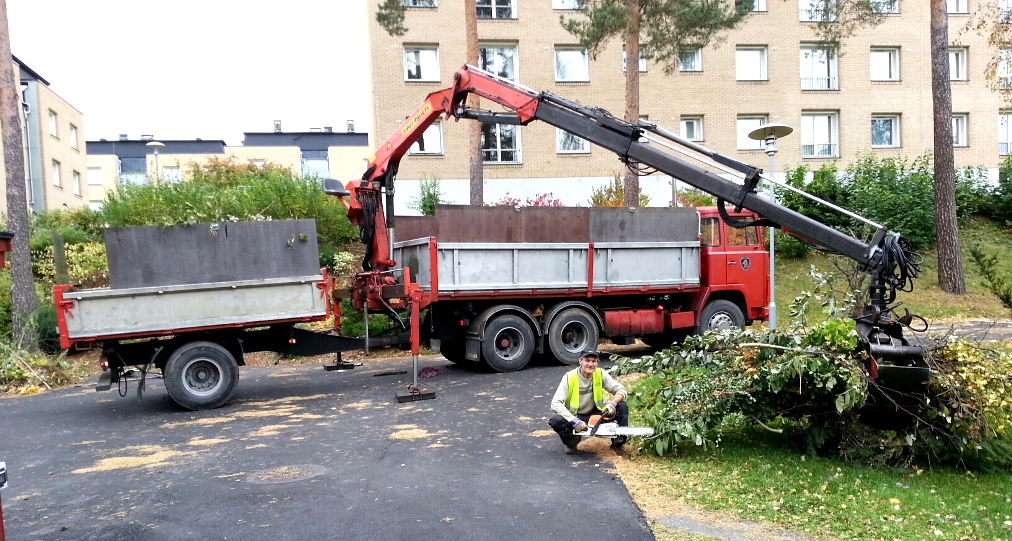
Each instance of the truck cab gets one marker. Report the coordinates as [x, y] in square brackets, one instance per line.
[734, 261]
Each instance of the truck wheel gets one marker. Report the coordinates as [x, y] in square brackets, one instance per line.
[572, 332]
[509, 343]
[664, 340]
[720, 314]
[453, 350]
[201, 375]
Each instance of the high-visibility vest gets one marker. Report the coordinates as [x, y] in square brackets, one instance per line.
[573, 402]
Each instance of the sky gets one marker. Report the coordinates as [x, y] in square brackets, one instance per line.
[208, 69]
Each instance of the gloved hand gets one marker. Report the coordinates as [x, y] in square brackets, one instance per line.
[609, 410]
[578, 425]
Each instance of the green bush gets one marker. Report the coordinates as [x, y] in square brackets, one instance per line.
[429, 195]
[973, 191]
[789, 247]
[895, 193]
[1000, 207]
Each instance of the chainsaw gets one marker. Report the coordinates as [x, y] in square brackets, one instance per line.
[596, 426]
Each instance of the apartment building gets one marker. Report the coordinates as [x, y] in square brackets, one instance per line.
[872, 95]
[53, 146]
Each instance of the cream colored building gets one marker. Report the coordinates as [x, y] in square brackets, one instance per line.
[873, 97]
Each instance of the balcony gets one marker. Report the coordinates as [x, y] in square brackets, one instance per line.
[819, 151]
[817, 15]
[818, 83]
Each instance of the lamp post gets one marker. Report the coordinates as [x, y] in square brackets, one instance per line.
[769, 133]
[156, 146]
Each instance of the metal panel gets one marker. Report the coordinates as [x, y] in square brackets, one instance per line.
[105, 312]
[205, 253]
[643, 224]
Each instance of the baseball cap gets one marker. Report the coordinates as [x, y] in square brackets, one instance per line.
[590, 353]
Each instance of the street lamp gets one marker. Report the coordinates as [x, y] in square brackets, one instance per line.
[769, 134]
[156, 146]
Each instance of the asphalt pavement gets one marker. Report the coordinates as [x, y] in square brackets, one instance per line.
[301, 453]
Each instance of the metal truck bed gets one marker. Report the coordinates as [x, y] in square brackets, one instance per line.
[94, 314]
[504, 267]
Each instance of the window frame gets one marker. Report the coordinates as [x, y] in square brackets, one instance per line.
[832, 67]
[894, 133]
[833, 136]
[1004, 125]
[894, 63]
[758, 6]
[75, 181]
[485, 48]
[960, 125]
[742, 136]
[72, 136]
[98, 176]
[961, 55]
[56, 172]
[424, 74]
[642, 62]
[563, 49]
[697, 55]
[697, 121]
[894, 6]
[565, 4]
[809, 13]
[763, 57]
[561, 135]
[495, 6]
[177, 173]
[949, 10]
[499, 149]
[413, 150]
[425, 4]
[54, 124]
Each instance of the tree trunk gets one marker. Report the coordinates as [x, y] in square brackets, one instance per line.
[22, 285]
[474, 128]
[632, 95]
[950, 263]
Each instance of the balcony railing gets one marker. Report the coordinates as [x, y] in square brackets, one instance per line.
[818, 151]
[818, 83]
[817, 15]
[1003, 149]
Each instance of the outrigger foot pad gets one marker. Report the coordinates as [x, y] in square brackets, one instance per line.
[340, 365]
[414, 394]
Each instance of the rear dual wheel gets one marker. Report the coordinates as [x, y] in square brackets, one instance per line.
[509, 343]
[572, 332]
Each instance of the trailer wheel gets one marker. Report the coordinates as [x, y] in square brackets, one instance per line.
[453, 350]
[201, 375]
[509, 343]
[572, 332]
[720, 314]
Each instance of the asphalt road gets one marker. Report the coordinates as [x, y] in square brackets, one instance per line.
[301, 453]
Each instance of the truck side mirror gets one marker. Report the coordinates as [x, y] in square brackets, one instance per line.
[334, 187]
[3, 477]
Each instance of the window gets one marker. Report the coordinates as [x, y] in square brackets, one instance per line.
[53, 125]
[885, 131]
[819, 135]
[690, 60]
[498, 59]
[709, 232]
[643, 62]
[885, 64]
[955, 6]
[421, 63]
[745, 125]
[571, 65]
[885, 6]
[73, 136]
[816, 10]
[957, 64]
[959, 130]
[95, 205]
[1004, 130]
[743, 236]
[500, 143]
[76, 181]
[431, 141]
[419, 3]
[565, 4]
[258, 163]
[567, 143]
[1004, 68]
[315, 164]
[1004, 7]
[56, 174]
[818, 68]
[171, 174]
[496, 9]
[692, 128]
[133, 170]
[95, 176]
[750, 63]
[753, 5]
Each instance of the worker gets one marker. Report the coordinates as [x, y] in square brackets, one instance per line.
[581, 395]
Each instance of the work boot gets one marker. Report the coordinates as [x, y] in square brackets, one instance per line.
[572, 450]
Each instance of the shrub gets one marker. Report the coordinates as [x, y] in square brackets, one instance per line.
[1000, 207]
[86, 265]
[429, 195]
[541, 200]
[613, 195]
[694, 197]
[895, 193]
[973, 191]
[790, 247]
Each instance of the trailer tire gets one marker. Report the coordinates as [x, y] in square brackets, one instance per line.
[509, 343]
[453, 350]
[572, 332]
[201, 375]
[720, 314]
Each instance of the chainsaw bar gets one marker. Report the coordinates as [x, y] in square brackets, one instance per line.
[610, 430]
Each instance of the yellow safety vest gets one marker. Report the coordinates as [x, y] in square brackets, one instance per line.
[573, 402]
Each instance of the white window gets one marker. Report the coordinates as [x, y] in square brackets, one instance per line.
[258, 163]
[690, 59]
[745, 126]
[957, 64]
[1004, 7]
[1004, 131]
[757, 5]
[419, 3]
[816, 10]
[571, 65]
[171, 174]
[959, 130]
[315, 164]
[643, 62]
[499, 59]
[95, 205]
[565, 4]
[567, 143]
[818, 68]
[73, 136]
[500, 143]
[885, 6]
[496, 9]
[1004, 69]
[955, 6]
[819, 135]
[76, 178]
[53, 130]
[421, 63]
[885, 131]
[750, 63]
[431, 141]
[692, 128]
[885, 64]
[56, 174]
[95, 176]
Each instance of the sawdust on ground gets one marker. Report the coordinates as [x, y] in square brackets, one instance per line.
[155, 456]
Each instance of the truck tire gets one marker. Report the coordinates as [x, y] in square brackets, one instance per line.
[571, 332]
[453, 350]
[720, 314]
[666, 339]
[509, 343]
[201, 375]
